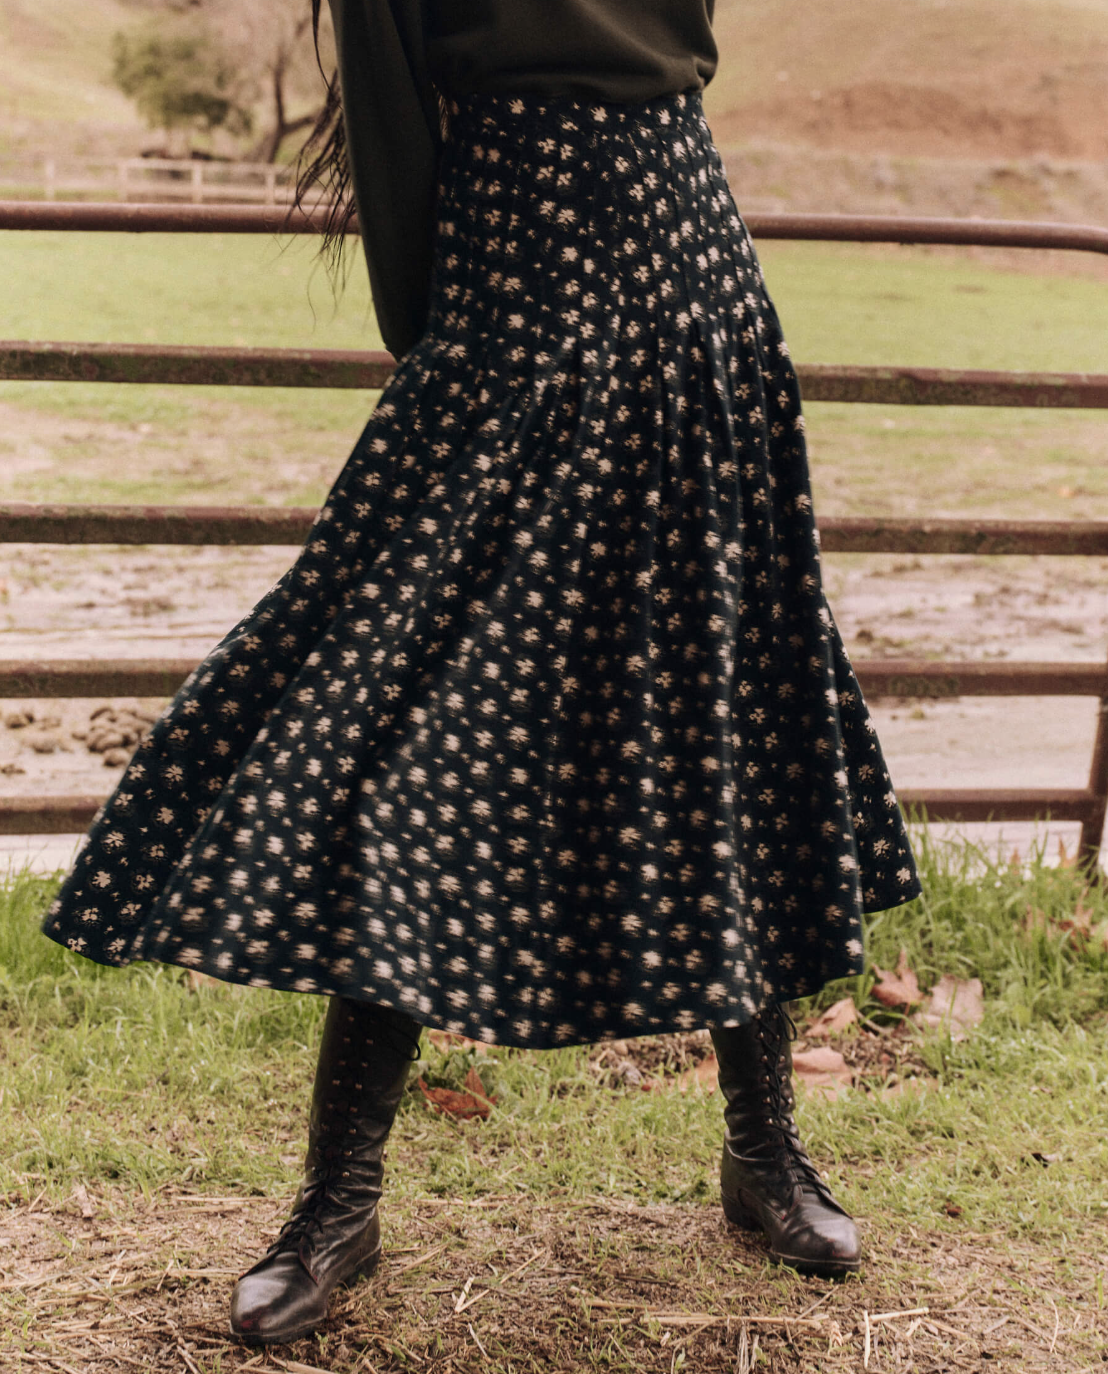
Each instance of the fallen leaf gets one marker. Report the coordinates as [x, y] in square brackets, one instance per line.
[457, 1104]
[822, 1070]
[1078, 926]
[955, 1004]
[476, 1087]
[899, 990]
[836, 1018]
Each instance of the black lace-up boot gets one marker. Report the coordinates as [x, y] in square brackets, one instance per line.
[767, 1181]
[333, 1233]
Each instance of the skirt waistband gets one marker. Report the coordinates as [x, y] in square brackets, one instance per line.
[525, 105]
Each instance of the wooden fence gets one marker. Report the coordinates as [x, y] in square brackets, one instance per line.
[196, 180]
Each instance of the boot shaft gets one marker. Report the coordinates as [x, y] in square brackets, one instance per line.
[365, 1056]
[755, 1072]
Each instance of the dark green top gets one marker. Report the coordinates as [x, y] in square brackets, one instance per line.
[395, 56]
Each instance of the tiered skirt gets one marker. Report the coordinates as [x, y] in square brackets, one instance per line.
[548, 735]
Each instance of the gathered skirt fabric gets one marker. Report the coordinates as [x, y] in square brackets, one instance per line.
[548, 735]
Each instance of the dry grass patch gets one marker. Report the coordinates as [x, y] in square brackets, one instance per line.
[114, 1280]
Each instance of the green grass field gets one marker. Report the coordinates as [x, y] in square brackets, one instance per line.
[130, 1086]
[83, 1042]
[839, 303]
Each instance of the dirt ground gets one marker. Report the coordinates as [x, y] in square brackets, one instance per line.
[109, 1279]
[977, 77]
[166, 602]
[112, 1281]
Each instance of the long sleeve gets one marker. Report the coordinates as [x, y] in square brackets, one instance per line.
[393, 139]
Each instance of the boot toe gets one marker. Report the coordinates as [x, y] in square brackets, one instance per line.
[828, 1246]
[279, 1302]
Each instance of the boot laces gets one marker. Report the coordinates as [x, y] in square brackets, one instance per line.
[775, 1029]
[298, 1227]
[307, 1222]
[403, 1036]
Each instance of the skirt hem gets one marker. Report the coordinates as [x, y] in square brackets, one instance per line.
[679, 1020]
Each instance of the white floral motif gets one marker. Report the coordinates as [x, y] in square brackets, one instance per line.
[548, 735]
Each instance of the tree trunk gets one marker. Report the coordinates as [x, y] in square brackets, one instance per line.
[267, 148]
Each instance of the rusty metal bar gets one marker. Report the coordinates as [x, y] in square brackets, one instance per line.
[864, 535]
[934, 386]
[1000, 803]
[25, 522]
[84, 677]
[259, 219]
[997, 233]
[936, 680]
[188, 366]
[63, 815]
[60, 815]
[145, 677]
[192, 366]
[158, 219]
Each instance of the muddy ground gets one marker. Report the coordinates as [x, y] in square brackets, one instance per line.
[166, 602]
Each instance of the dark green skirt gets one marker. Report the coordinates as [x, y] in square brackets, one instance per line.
[548, 735]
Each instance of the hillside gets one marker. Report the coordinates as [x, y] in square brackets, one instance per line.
[54, 92]
[976, 78]
[994, 107]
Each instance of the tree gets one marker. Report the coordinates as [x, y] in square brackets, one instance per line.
[281, 40]
[263, 51]
[274, 41]
[181, 77]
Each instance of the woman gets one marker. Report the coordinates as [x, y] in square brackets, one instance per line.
[548, 735]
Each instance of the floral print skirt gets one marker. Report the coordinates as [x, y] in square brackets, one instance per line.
[548, 735]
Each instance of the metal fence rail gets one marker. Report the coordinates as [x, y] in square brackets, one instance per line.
[24, 522]
[251, 219]
[128, 363]
[349, 369]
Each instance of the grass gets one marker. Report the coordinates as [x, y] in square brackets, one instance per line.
[838, 303]
[133, 1089]
[83, 1044]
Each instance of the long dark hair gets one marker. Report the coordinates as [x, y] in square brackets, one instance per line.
[323, 168]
